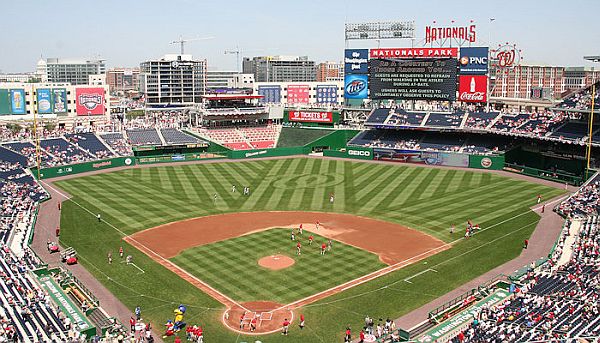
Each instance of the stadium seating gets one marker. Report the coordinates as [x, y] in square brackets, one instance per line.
[480, 120]
[143, 137]
[243, 138]
[581, 100]
[571, 130]
[378, 116]
[175, 136]
[117, 142]
[90, 143]
[445, 120]
[586, 201]
[508, 122]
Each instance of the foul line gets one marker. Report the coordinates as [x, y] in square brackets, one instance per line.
[160, 258]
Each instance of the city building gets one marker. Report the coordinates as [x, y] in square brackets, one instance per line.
[173, 81]
[242, 81]
[216, 79]
[18, 77]
[330, 71]
[539, 81]
[68, 103]
[123, 79]
[75, 72]
[97, 80]
[280, 68]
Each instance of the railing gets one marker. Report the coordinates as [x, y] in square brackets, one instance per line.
[544, 174]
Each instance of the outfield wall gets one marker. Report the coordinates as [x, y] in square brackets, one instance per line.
[78, 168]
[451, 159]
[274, 152]
[351, 152]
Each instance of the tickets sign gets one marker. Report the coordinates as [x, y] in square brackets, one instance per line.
[310, 117]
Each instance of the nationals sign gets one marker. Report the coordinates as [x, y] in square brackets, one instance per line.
[414, 52]
[472, 88]
[311, 117]
[90, 101]
[464, 33]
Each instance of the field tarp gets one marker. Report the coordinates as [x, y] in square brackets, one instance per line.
[46, 173]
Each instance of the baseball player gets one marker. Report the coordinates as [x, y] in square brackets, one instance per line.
[298, 248]
[121, 252]
[323, 248]
[331, 198]
[300, 229]
[310, 239]
[98, 216]
[233, 189]
[109, 256]
[285, 327]
[317, 225]
[293, 236]
[329, 244]
[301, 321]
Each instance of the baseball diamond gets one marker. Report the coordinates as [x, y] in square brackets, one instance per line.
[135, 202]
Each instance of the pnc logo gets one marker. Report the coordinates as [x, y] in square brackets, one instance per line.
[473, 60]
[355, 87]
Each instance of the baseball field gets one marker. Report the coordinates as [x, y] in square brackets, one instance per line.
[158, 205]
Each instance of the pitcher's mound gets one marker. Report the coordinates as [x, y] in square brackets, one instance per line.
[276, 262]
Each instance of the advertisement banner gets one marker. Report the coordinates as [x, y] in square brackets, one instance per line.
[4, 102]
[44, 100]
[356, 86]
[423, 157]
[310, 117]
[89, 101]
[356, 61]
[415, 79]
[486, 162]
[17, 101]
[474, 61]
[50, 172]
[326, 94]
[271, 94]
[297, 94]
[60, 100]
[351, 152]
[472, 88]
[414, 53]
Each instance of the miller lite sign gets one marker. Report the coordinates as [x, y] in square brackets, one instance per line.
[356, 86]
[89, 101]
[472, 88]
[462, 33]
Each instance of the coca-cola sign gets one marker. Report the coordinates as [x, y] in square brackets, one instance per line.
[472, 88]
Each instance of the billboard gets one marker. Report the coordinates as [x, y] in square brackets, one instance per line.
[474, 61]
[414, 79]
[4, 102]
[423, 157]
[326, 94]
[414, 53]
[472, 88]
[89, 101]
[356, 61]
[17, 101]
[297, 94]
[271, 94]
[310, 117]
[356, 86]
[60, 100]
[44, 100]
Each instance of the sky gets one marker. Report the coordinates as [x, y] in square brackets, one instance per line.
[127, 32]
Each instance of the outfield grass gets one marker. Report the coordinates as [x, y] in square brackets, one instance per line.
[231, 266]
[426, 199]
[293, 136]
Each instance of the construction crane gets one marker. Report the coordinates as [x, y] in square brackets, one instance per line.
[237, 53]
[182, 41]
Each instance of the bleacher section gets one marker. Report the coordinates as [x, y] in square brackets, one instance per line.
[572, 131]
[174, 136]
[480, 120]
[243, 138]
[89, 143]
[581, 100]
[445, 120]
[143, 137]
[507, 122]
[117, 142]
[403, 118]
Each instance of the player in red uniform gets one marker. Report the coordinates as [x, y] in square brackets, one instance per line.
[300, 230]
[323, 248]
[121, 252]
[317, 225]
[284, 327]
[298, 248]
[301, 321]
[310, 239]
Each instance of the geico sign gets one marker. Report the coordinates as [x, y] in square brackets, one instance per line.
[359, 153]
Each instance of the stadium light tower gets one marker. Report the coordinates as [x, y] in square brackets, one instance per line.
[182, 41]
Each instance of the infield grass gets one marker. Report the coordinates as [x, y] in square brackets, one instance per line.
[426, 199]
[231, 266]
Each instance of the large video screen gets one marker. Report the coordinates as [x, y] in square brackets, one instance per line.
[413, 79]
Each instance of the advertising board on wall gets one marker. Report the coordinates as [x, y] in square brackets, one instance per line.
[472, 88]
[4, 102]
[474, 61]
[60, 100]
[44, 100]
[414, 53]
[271, 94]
[297, 94]
[356, 86]
[326, 94]
[356, 61]
[414, 79]
[423, 157]
[17, 101]
[310, 116]
[89, 101]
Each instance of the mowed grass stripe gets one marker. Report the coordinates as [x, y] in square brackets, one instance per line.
[339, 190]
[387, 187]
[233, 270]
[277, 196]
[263, 186]
[444, 183]
[377, 184]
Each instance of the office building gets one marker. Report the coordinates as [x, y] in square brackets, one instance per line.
[280, 68]
[75, 72]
